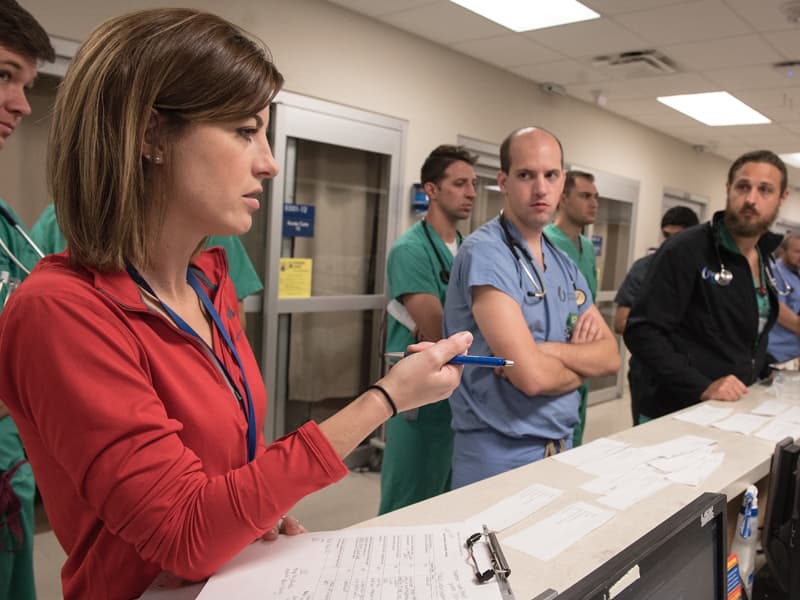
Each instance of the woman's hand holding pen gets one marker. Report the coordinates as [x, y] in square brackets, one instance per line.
[424, 376]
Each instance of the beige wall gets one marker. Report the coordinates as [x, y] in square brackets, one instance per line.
[328, 52]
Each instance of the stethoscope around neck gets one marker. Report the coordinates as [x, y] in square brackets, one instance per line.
[15, 259]
[538, 282]
[444, 272]
[724, 277]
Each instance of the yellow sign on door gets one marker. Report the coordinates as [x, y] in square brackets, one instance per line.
[295, 278]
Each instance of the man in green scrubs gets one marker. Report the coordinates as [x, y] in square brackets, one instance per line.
[245, 279]
[23, 43]
[576, 209]
[419, 444]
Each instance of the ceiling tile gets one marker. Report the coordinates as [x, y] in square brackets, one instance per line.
[748, 78]
[726, 52]
[508, 50]
[445, 23]
[786, 42]
[380, 7]
[561, 72]
[681, 23]
[588, 38]
[764, 15]
[679, 83]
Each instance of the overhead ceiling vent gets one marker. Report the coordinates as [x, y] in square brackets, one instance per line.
[636, 63]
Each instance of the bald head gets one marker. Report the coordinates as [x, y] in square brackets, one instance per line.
[535, 135]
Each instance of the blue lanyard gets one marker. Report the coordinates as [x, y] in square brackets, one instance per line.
[191, 278]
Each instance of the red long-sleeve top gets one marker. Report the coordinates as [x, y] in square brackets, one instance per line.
[136, 440]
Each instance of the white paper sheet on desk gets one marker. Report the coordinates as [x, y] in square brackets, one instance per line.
[697, 473]
[742, 423]
[792, 415]
[387, 563]
[704, 414]
[596, 450]
[550, 536]
[777, 429]
[621, 462]
[513, 509]
[623, 490]
[678, 446]
[682, 461]
[771, 408]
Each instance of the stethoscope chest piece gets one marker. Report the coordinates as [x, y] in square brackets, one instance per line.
[580, 297]
[723, 277]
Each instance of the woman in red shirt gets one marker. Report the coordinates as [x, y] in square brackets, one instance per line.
[124, 363]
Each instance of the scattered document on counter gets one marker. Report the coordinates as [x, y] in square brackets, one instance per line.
[640, 484]
[771, 408]
[697, 473]
[777, 429]
[513, 509]
[678, 446]
[672, 464]
[792, 415]
[596, 450]
[391, 563]
[621, 462]
[704, 414]
[742, 423]
[551, 536]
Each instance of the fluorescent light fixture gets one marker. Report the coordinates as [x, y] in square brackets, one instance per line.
[715, 109]
[526, 15]
[791, 159]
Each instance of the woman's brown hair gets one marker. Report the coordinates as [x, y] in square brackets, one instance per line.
[186, 65]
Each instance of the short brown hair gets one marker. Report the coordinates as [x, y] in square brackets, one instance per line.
[21, 33]
[760, 156]
[189, 66]
[440, 159]
[571, 176]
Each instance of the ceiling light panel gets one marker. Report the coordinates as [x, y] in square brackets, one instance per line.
[715, 109]
[530, 15]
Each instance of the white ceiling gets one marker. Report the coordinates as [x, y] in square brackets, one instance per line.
[716, 45]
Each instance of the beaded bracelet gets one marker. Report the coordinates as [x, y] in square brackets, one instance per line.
[386, 395]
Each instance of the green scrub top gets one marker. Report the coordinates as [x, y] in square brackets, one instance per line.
[585, 258]
[419, 448]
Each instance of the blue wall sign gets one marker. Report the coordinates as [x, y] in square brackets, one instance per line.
[298, 220]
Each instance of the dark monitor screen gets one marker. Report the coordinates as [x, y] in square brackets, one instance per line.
[683, 558]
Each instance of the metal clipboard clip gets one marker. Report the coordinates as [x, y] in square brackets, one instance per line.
[500, 569]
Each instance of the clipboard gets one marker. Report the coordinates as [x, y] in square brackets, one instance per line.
[500, 571]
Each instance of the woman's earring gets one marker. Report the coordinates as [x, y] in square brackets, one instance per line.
[157, 159]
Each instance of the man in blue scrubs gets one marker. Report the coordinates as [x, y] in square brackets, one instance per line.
[524, 300]
[784, 343]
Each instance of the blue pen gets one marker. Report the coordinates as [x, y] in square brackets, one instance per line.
[464, 359]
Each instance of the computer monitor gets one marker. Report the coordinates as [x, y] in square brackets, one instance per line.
[683, 557]
[780, 537]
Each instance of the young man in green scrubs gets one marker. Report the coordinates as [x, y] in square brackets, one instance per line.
[23, 43]
[419, 445]
[577, 209]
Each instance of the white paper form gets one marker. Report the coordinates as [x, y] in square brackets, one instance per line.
[704, 414]
[596, 450]
[771, 408]
[513, 509]
[353, 564]
[550, 536]
[623, 490]
[678, 446]
[742, 423]
[619, 463]
[697, 473]
[777, 429]
[792, 415]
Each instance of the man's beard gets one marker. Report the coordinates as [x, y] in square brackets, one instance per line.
[756, 226]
